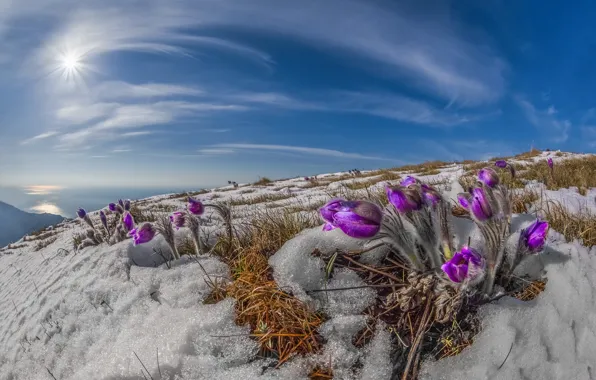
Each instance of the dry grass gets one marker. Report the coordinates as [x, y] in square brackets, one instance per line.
[261, 198]
[576, 172]
[142, 216]
[263, 181]
[521, 199]
[424, 167]
[572, 225]
[315, 183]
[359, 185]
[530, 154]
[531, 291]
[321, 373]
[283, 325]
[44, 243]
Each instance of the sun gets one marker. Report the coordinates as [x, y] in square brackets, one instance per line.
[70, 62]
[70, 65]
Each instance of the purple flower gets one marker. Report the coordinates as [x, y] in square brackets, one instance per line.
[550, 162]
[81, 213]
[467, 264]
[489, 177]
[103, 218]
[329, 209]
[195, 207]
[431, 195]
[480, 206]
[306, 178]
[358, 219]
[121, 203]
[128, 221]
[404, 199]
[534, 237]
[178, 218]
[328, 226]
[501, 164]
[112, 207]
[409, 180]
[127, 205]
[464, 200]
[143, 234]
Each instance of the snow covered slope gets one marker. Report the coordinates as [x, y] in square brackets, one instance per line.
[87, 315]
[15, 223]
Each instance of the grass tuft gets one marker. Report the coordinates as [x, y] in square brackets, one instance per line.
[263, 181]
[283, 325]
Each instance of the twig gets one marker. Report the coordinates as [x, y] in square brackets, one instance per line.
[140, 361]
[389, 275]
[15, 306]
[51, 374]
[415, 345]
[506, 357]
[356, 287]
[158, 368]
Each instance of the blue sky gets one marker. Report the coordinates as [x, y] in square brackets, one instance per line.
[197, 92]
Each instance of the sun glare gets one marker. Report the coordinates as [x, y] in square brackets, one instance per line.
[70, 62]
[70, 65]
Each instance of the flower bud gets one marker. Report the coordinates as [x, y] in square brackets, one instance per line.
[195, 207]
[489, 177]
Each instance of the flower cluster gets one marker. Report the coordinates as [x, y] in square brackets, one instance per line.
[416, 225]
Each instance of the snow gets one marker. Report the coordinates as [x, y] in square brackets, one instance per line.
[551, 337]
[84, 315]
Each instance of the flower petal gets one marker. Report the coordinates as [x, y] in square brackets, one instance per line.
[355, 225]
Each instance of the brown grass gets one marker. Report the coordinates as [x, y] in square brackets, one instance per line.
[531, 291]
[530, 154]
[424, 167]
[283, 325]
[263, 181]
[575, 172]
[262, 198]
[572, 225]
[521, 199]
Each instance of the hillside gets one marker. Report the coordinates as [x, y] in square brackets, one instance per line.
[283, 299]
[15, 223]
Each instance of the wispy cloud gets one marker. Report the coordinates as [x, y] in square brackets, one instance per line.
[297, 149]
[39, 137]
[216, 151]
[385, 105]
[557, 129]
[123, 90]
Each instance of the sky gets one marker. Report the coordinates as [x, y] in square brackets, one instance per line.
[160, 93]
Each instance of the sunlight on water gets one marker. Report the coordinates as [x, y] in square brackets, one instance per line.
[41, 189]
[47, 208]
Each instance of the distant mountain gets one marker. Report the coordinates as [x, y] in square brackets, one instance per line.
[15, 223]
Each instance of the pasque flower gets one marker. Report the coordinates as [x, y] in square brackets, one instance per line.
[431, 195]
[104, 219]
[534, 237]
[409, 180]
[112, 207]
[81, 213]
[358, 219]
[489, 177]
[143, 234]
[480, 206]
[178, 219]
[467, 264]
[128, 221]
[550, 163]
[127, 205]
[501, 164]
[195, 207]
[404, 199]
[464, 200]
